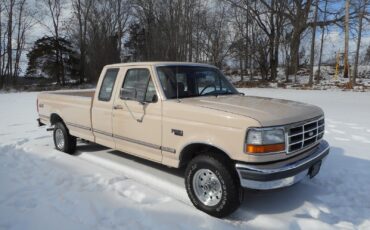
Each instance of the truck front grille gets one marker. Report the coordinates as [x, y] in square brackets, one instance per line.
[305, 134]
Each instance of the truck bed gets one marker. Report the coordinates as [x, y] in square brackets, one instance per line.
[72, 106]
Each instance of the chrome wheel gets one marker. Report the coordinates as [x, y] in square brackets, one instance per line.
[59, 139]
[207, 187]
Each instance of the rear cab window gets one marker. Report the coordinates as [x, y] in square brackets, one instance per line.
[107, 85]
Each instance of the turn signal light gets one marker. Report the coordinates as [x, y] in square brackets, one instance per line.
[265, 148]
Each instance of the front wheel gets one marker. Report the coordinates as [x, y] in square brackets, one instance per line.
[63, 141]
[212, 186]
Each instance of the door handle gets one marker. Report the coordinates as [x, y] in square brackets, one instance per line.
[117, 107]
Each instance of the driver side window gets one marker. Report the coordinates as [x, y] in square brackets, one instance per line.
[141, 82]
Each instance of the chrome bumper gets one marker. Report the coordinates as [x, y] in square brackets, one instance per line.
[269, 176]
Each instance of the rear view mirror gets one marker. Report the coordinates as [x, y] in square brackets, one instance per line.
[128, 94]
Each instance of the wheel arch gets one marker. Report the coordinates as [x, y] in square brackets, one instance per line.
[194, 149]
[54, 118]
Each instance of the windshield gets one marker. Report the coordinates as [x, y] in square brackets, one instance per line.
[193, 81]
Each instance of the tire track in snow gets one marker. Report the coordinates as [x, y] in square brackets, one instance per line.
[68, 187]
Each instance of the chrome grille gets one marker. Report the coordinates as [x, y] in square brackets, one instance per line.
[305, 134]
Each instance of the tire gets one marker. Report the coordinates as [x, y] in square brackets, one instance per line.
[223, 191]
[63, 141]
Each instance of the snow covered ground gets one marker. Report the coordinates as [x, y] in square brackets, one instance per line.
[41, 188]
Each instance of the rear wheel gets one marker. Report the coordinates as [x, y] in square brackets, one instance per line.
[212, 186]
[63, 141]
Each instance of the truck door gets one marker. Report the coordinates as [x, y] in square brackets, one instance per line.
[101, 114]
[137, 115]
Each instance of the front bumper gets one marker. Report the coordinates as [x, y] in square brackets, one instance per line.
[271, 176]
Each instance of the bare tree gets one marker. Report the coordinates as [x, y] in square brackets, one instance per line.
[25, 23]
[346, 40]
[2, 53]
[268, 17]
[361, 14]
[55, 10]
[217, 43]
[321, 44]
[82, 13]
[313, 39]
[13, 39]
[259, 35]
[101, 30]
[9, 67]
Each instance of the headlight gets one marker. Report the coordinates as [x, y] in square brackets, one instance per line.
[265, 140]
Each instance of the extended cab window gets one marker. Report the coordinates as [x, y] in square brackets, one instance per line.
[107, 85]
[141, 82]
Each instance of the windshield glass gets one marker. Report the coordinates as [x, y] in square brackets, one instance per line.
[193, 81]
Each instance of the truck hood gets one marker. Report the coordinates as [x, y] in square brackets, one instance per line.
[267, 111]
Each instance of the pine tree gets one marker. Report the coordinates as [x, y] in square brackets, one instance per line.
[42, 59]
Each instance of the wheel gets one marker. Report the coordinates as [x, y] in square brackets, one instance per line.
[63, 141]
[213, 186]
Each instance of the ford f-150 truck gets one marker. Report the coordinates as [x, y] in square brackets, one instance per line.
[188, 115]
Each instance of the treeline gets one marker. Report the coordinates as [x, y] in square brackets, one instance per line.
[85, 35]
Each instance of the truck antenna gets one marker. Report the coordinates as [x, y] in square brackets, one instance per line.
[177, 85]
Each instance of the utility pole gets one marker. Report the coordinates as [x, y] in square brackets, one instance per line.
[346, 41]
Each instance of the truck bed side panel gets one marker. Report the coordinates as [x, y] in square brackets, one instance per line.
[74, 108]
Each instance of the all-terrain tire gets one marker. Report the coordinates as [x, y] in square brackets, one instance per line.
[63, 141]
[232, 193]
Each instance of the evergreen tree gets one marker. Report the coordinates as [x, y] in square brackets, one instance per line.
[42, 59]
[136, 50]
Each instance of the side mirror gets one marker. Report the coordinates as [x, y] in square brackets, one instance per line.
[128, 94]
[154, 98]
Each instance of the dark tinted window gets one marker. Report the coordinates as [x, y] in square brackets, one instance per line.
[140, 80]
[107, 85]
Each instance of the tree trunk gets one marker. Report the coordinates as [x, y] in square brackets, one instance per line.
[312, 54]
[62, 67]
[10, 39]
[279, 30]
[82, 16]
[346, 41]
[299, 23]
[82, 42]
[273, 67]
[1, 50]
[294, 52]
[57, 69]
[247, 57]
[20, 42]
[321, 46]
[241, 69]
[361, 16]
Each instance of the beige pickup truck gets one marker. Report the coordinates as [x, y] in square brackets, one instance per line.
[188, 115]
